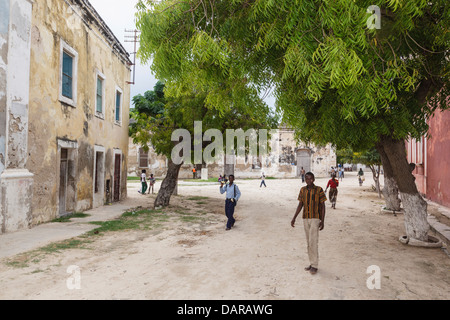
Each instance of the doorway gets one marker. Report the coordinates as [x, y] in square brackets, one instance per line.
[98, 187]
[303, 160]
[117, 160]
[63, 173]
[66, 176]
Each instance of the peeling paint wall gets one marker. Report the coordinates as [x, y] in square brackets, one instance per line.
[4, 28]
[15, 180]
[56, 126]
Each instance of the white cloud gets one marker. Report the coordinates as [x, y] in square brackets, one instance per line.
[119, 15]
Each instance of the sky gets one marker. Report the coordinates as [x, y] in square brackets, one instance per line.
[119, 15]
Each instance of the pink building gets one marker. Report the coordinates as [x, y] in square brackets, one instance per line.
[432, 158]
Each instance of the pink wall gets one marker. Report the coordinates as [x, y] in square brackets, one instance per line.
[438, 159]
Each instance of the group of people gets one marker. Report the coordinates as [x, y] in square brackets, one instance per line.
[311, 199]
[144, 184]
[338, 171]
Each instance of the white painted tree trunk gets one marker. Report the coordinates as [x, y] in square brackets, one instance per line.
[393, 154]
[416, 223]
[391, 195]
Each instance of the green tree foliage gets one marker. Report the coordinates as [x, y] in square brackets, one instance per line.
[335, 80]
[326, 66]
[156, 116]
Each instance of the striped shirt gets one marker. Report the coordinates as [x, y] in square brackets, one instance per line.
[311, 198]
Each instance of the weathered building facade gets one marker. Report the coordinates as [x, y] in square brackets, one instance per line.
[285, 159]
[64, 111]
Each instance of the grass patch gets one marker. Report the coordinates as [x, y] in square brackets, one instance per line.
[189, 218]
[73, 243]
[133, 178]
[136, 219]
[197, 198]
[208, 180]
[70, 216]
[35, 256]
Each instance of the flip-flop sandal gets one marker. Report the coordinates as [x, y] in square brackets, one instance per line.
[313, 270]
[308, 268]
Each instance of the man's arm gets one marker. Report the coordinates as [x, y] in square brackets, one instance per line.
[238, 193]
[322, 215]
[299, 208]
[222, 188]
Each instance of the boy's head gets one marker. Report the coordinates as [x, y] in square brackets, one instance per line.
[144, 171]
[309, 178]
[231, 178]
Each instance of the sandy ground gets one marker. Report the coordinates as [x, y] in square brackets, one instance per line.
[262, 257]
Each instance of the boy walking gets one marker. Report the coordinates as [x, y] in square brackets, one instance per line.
[232, 196]
[263, 177]
[312, 200]
[333, 183]
[144, 181]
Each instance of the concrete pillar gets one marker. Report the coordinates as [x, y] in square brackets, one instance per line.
[15, 180]
[204, 174]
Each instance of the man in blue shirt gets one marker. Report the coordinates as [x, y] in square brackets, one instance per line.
[233, 194]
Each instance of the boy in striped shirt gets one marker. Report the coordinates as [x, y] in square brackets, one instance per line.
[312, 200]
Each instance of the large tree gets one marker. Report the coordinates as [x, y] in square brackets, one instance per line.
[334, 77]
[157, 115]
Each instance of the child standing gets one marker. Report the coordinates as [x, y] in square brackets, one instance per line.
[152, 183]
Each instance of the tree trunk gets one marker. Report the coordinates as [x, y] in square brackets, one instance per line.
[390, 189]
[416, 223]
[376, 178]
[168, 185]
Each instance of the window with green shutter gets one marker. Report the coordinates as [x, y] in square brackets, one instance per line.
[99, 105]
[67, 75]
[118, 105]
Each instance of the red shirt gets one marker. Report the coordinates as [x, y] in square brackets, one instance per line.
[333, 183]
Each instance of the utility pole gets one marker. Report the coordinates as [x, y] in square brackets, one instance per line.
[134, 36]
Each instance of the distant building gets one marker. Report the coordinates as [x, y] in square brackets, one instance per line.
[64, 111]
[284, 160]
[432, 159]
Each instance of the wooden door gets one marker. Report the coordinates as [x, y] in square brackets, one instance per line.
[63, 182]
[117, 177]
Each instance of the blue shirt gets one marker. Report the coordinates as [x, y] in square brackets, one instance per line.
[230, 191]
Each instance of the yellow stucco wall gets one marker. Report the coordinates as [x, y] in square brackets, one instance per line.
[51, 120]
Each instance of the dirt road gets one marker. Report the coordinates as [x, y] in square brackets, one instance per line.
[262, 257]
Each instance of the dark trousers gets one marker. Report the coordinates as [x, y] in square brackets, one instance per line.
[262, 183]
[144, 187]
[229, 211]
